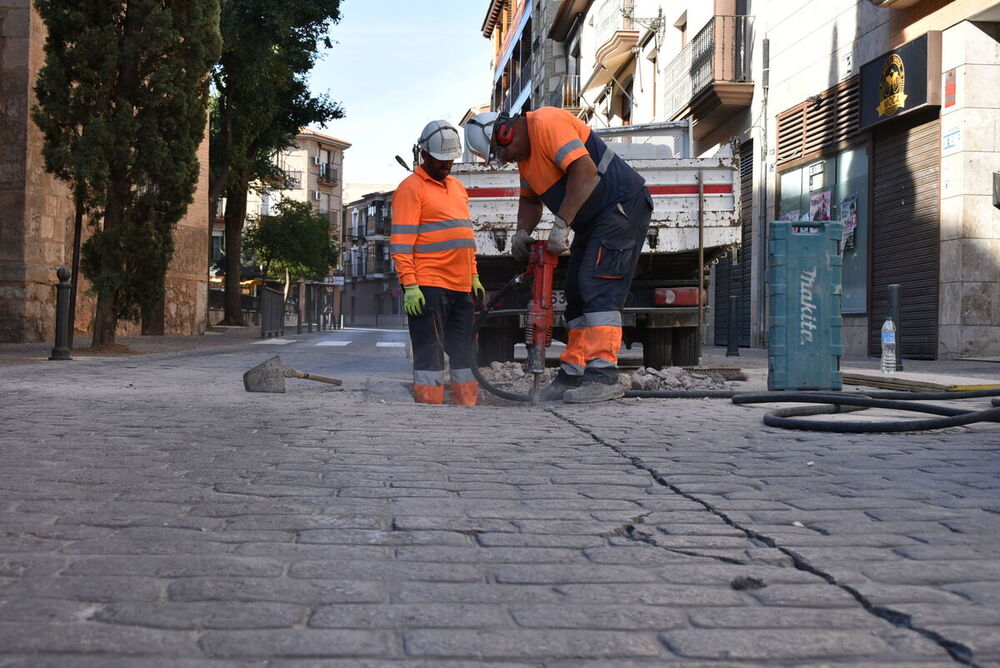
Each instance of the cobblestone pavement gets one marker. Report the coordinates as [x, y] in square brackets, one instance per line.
[152, 513]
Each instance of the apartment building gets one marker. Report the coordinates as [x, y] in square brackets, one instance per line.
[880, 113]
[372, 294]
[526, 68]
[315, 167]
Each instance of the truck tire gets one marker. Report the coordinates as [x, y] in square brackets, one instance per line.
[670, 346]
[496, 344]
[657, 347]
[685, 346]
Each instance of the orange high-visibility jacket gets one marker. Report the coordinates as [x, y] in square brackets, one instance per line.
[432, 242]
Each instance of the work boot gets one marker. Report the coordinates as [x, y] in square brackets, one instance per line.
[591, 391]
[555, 390]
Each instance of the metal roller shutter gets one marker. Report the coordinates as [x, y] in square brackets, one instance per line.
[734, 279]
[906, 233]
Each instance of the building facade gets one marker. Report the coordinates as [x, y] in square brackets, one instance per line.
[372, 294]
[315, 168]
[803, 91]
[37, 215]
[526, 69]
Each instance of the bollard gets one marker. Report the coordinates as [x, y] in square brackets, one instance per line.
[733, 342]
[61, 349]
[893, 311]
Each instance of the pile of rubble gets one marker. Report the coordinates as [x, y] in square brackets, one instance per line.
[510, 376]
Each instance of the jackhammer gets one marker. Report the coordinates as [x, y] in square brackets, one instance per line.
[541, 314]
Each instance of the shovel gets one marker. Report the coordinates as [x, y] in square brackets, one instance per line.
[270, 376]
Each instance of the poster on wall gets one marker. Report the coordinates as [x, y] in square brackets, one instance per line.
[790, 215]
[819, 206]
[849, 215]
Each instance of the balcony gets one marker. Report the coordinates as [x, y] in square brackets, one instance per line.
[378, 268]
[616, 34]
[710, 80]
[567, 94]
[329, 174]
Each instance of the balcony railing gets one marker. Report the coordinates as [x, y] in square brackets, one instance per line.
[719, 53]
[567, 93]
[328, 174]
[617, 16]
[378, 267]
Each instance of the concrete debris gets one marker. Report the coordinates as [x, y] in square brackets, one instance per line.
[510, 376]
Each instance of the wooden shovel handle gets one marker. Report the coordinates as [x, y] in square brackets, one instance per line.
[295, 373]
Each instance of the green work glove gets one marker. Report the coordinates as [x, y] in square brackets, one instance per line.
[413, 300]
[478, 291]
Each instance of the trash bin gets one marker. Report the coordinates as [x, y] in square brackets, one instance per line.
[804, 280]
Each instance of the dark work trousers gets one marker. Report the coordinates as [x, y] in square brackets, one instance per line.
[602, 264]
[445, 326]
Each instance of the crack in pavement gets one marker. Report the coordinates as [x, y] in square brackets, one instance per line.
[960, 653]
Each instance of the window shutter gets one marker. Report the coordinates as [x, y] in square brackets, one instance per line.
[821, 123]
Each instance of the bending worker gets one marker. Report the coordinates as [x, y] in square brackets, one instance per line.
[434, 248]
[568, 169]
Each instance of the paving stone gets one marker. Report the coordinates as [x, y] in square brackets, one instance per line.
[176, 566]
[524, 644]
[387, 571]
[775, 645]
[90, 638]
[615, 617]
[422, 615]
[280, 590]
[652, 594]
[203, 615]
[326, 643]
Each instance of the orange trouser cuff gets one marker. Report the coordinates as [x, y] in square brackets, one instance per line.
[464, 394]
[574, 352]
[603, 342]
[428, 394]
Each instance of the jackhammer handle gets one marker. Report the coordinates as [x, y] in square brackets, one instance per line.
[295, 373]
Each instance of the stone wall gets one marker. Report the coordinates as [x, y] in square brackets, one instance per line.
[36, 210]
[969, 293]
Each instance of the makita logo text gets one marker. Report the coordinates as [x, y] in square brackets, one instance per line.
[807, 310]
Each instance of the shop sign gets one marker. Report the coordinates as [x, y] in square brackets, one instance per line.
[902, 80]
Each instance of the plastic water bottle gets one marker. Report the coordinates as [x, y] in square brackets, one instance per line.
[888, 346]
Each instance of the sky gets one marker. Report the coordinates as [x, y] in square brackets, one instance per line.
[396, 65]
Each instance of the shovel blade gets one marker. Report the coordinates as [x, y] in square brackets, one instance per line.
[267, 376]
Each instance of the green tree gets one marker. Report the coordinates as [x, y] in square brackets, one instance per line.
[122, 104]
[262, 100]
[295, 241]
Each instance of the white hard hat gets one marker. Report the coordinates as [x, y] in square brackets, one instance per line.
[441, 140]
[479, 133]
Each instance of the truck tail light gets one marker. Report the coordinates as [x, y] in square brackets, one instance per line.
[675, 296]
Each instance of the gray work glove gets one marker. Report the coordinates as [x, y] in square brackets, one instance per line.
[520, 246]
[559, 237]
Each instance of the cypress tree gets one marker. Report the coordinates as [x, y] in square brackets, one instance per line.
[122, 105]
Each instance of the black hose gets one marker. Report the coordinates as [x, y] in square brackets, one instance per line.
[480, 317]
[788, 418]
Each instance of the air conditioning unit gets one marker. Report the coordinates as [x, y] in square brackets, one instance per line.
[315, 159]
[316, 195]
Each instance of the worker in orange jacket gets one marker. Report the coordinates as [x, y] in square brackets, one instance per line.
[434, 248]
[568, 169]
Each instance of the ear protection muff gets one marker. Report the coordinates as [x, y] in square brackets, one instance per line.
[503, 130]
